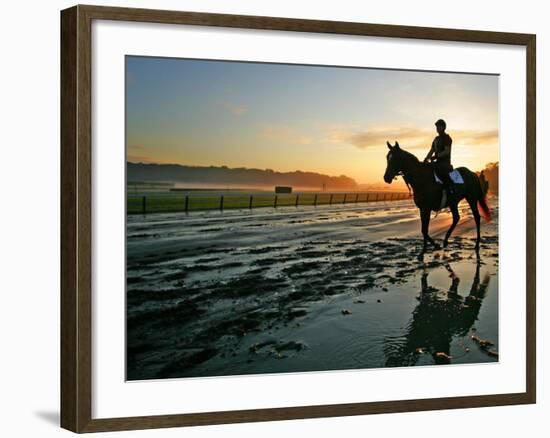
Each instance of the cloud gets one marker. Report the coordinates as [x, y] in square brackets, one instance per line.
[412, 137]
[237, 110]
[284, 134]
[408, 136]
[140, 159]
[470, 137]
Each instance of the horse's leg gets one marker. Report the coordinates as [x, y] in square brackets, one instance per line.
[425, 220]
[456, 218]
[475, 212]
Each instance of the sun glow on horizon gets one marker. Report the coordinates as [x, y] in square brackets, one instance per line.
[330, 120]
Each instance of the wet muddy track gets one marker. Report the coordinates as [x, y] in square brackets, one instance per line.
[327, 288]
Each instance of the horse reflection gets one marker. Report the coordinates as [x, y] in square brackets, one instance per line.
[436, 319]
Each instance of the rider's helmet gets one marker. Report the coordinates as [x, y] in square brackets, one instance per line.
[442, 123]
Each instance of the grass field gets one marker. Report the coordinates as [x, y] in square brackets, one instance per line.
[173, 202]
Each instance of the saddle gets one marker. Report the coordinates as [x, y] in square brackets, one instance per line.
[455, 176]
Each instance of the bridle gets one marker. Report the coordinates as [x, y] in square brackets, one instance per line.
[406, 178]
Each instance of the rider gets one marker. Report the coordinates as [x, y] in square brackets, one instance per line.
[440, 155]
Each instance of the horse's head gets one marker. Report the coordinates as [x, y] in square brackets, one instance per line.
[394, 162]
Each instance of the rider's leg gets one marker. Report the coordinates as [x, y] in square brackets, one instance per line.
[442, 172]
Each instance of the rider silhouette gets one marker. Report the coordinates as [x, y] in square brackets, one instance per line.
[440, 155]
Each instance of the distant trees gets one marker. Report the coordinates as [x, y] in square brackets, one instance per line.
[236, 176]
[491, 175]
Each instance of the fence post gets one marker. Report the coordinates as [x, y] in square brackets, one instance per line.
[315, 200]
[143, 205]
[377, 196]
[345, 195]
[221, 203]
[275, 202]
[330, 200]
[356, 197]
[250, 203]
[367, 198]
[186, 203]
[297, 197]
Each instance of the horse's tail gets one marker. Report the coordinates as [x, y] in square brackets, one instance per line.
[484, 209]
[482, 203]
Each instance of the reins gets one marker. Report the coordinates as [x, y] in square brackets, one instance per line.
[406, 179]
[407, 174]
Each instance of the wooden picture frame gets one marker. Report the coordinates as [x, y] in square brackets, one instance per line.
[76, 217]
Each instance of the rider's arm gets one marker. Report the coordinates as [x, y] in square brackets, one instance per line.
[431, 153]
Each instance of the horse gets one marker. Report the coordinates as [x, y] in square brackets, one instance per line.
[428, 193]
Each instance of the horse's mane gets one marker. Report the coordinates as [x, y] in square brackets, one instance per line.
[409, 155]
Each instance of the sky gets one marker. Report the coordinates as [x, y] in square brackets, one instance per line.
[332, 120]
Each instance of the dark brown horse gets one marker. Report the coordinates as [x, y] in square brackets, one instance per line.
[428, 193]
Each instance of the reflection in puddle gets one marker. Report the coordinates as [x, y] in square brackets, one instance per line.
[439, 317]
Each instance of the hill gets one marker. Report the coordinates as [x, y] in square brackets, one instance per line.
[223, 175]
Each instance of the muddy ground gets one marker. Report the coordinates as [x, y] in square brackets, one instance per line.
[306, 289]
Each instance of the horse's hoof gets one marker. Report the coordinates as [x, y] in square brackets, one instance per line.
[445, 244]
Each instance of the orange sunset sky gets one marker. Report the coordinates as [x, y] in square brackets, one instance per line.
[332, 120]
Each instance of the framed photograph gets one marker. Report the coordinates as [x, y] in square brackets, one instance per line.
[270, 218]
